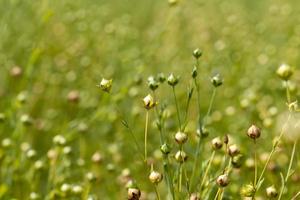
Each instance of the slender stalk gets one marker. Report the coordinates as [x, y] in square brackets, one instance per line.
[177, 108]
[156, 191]
[295, 197]
[289, 170]
[146, 135]
[207, 170]
[210, 104]
[255, 164]
[217, 194]
[288, 95]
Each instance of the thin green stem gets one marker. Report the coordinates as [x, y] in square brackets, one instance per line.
[289, 170]
[177, 108]
[210, 104]
[296, 195]
[217, 194]
[156, 191]
[255, 164]
[288, 95]
[207, 170]
[146, 135]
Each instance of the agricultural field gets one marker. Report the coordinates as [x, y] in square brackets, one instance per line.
[149, 99]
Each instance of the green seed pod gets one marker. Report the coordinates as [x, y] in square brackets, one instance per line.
[155, 177]
[217, 143]
[34, 196]
[194, 72]
[284, 71]
[38, 165]
[77, 189]
[161, 77]
[248, 190]
[172, 80]
[90, 177]
[152, 83]
[271, 192]
[165, 149]
[217, 80]
[105, 85]
[173, 2]
[181, 137]
[26, 120]
[6, 143]
[203, 133]
[223, 180]
[253, 132]
[197, 53]
[31, 153]
[59, 140]
[237, 161]
[65, 188]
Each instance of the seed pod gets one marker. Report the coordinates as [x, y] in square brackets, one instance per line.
[217, 143]
[152, 83]
[90, 177]
[65, 188]
[97, 158]
[38, 165]
[284, 71]
[203, 132]
[165, 149]
[194, 72]
[197, 53]
[77, 189]
[253, 132]
[59, 140]
[155, 177]
[105, 85]
[237, 161]
[149, 102]
[31, 153]
[2, 117]
[223, 180]
[180, 156]
[161, 77]
[233, 150]
[172, 80]
[6, 143]
[217, 80]
[194, 196]
[26, 120]
[34, 196]
[181, 137]
[173, 2]
[248, 190]
[16, 71]
[133, 194]
[226, 139]
[271, 192]
[73, 96]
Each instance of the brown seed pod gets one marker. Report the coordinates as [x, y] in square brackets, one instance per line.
[253, 132]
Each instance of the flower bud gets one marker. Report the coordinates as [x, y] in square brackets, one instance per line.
[161, 77]
[181, 137]
[237, 161]
[284, 72]
[155, 177]
[105, 85]
[271, 192]
[165, 149]
[152, 83]
[180, 156]
[202, 132]
[248, 190]
[223, 180]
[197, 53]
[217, 80]
[194, 72]
[149, 102]
[172, 80]
[133, 194]
[216, 143]
[253, 132]
[59, 140]
[233, 150]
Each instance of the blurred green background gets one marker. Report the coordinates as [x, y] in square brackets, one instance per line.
[70, 45]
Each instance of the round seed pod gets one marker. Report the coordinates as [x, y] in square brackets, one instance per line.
[284, 71]
[172, 80]
[149, 102]
[194, 196]
[165, 149]
[254, 132]
[155, 177]
[248, 190]
[197, 53]
[133, 194]
[105, 85]
[237, 161]
[217, 143]
[16, 71]
[180, 156]
[233, 150]
[217, 80]
[271, 192]
[223, 180]
[181, 137]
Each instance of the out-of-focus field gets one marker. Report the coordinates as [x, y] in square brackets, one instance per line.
[54, 53]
